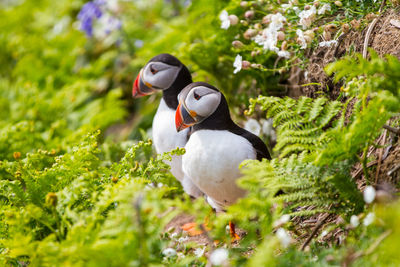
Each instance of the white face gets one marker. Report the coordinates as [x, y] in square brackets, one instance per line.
[202, 100]
[159, 75]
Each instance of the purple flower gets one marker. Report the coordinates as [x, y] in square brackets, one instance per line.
[90, 11]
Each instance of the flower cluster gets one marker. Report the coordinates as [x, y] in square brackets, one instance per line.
[285, 32]
[96, 19]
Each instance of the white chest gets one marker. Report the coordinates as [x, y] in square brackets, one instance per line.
[212, 161]
[166, 137]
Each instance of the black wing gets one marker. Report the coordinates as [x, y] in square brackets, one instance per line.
[258, 144]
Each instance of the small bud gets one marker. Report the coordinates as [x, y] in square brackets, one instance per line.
[308, 39]
[244, 22]
[258, 26]
[246, 64]
[249, 14]
[253, 54]
[266, 19]
[331, 28]
[355, 24]
[327, 36]
[237, 44]
[307, 7]
[309, 33]
[254, 66]
[370, 16]
[114, 179]
[338, 3]
[53, 151]
[369, 194]
[316, 4]
[233, 19]
[51, 199]
[281, 36]
[18, 174]
[136, 167]
[284, 46]
[354, 221]
[244, 4]
[345, 28]
[17, 155]
[249, 33]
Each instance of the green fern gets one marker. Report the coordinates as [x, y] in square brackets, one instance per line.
[300, 124]
[319, 143]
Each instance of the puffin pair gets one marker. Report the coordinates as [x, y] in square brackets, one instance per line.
[216, 146]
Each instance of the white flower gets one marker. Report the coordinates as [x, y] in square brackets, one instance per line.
[183, 239]
[169, 252]
[268, 38]
[282, 220]
[301, 38]
[219, 256]
[369, 194]
[199, 252]
[268, 129]
[325, 7]
[296, 9]
[283, 237]
[327, 43]
[253, 126]
[225, 22]
[354, 221]
[112, 5]
[369, 219]
[286, 6]
[307, 17]
[284, 54]
[237, 64]
[324, 233]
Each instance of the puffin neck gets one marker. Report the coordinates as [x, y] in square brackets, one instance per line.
[170, 95]
[219, 120]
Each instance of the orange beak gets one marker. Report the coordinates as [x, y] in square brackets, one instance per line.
[140, 88]
[183, 119]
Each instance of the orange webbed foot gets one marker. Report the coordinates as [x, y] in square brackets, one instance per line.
[193, 228]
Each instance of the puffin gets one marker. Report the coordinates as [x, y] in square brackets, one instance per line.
[216, 147]
[166, 73]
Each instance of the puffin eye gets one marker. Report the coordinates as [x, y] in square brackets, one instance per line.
[153, 70]
[196, 96]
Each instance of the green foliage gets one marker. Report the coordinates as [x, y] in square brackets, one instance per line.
[71, 196]
[317, 149]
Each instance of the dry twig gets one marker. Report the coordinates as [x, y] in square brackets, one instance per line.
[391, 129]
[317, 227]
[380, 157]
[370, 29]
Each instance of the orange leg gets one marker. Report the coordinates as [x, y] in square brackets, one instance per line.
[232, 231]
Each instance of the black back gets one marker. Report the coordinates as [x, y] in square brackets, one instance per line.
[221, 120]
[170, 95]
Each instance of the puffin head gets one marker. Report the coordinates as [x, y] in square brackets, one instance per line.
[197, 102]
[160, 73]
